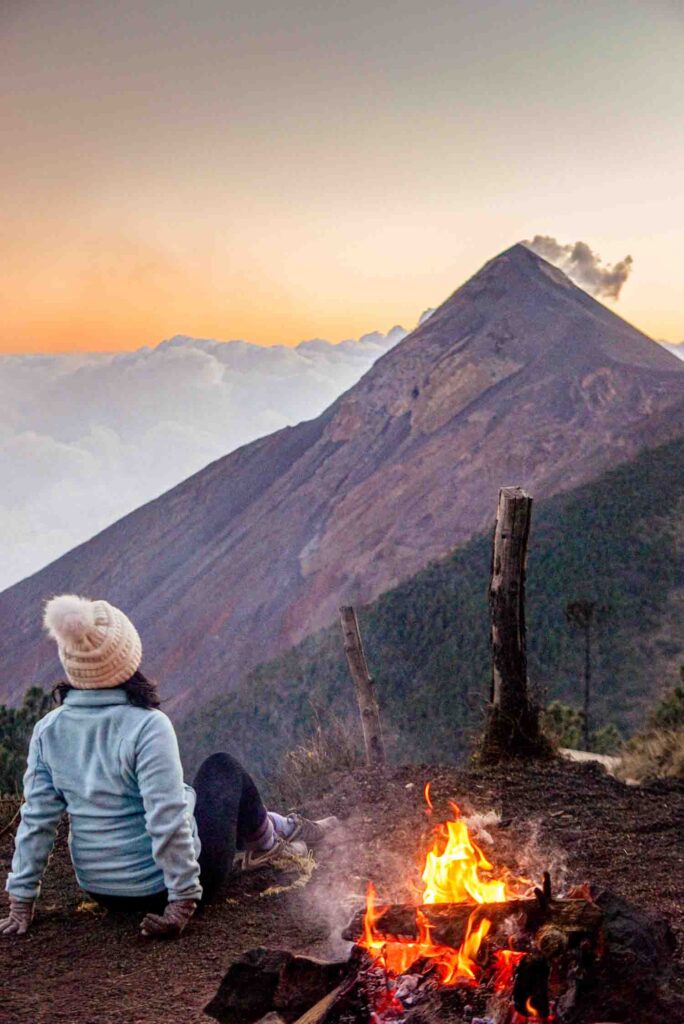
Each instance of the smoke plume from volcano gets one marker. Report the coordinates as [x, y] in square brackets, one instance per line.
[583, 265]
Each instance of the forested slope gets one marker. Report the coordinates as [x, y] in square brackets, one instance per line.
[617, 540]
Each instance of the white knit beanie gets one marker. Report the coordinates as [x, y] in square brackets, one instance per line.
[98, 645]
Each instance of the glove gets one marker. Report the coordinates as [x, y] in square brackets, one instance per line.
[171, 923]
[20, 917]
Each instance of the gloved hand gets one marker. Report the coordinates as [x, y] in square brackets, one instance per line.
[20, 917]
[171, 923]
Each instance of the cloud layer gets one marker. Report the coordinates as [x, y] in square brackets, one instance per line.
[84, 439]
[584, 266]
[675, 349]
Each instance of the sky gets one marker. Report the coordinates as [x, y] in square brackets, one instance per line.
[274, 171]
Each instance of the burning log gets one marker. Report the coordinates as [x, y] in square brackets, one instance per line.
[571, 919]
[531, 987]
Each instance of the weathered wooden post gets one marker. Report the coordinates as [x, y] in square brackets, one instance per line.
[364, 684]
[513, 720]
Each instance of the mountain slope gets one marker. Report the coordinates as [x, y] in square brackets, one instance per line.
[518, 377]
[618, 540]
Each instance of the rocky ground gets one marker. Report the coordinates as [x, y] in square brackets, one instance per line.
[79, 966]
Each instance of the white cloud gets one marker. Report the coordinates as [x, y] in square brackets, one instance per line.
[86, 438]
[676, 348]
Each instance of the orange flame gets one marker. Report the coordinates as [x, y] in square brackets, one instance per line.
[505, 963]
[397, 955]
[426, 793]
[452, 874]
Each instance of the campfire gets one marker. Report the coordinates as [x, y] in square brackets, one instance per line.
[478, 944]
[475, 929]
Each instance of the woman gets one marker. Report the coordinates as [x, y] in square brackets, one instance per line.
[139, 838]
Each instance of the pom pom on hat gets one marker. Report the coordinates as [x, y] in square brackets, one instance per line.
[98, 645]
[68, 618]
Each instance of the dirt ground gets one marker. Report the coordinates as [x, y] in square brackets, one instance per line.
[79, 966]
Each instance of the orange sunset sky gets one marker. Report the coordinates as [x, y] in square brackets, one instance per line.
[278, 171]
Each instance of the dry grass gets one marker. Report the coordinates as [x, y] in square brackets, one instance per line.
[330, 747]
[657, 754]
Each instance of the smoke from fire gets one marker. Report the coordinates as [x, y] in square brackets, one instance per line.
[583, 265]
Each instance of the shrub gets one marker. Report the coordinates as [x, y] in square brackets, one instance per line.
[9, 806]
[606, 740]
[16, 725]
[654, 755]
[563, 724]
[658, 751]
[669, 713]
[330, 747]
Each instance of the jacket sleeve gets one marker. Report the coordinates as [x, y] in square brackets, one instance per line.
[159, 774]
[40, 814]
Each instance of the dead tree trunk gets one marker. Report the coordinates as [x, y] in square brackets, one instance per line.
[586, 616]
[364, 685]
[587, 685]
[513, 720]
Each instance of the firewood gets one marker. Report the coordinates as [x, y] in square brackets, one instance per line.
[449, 920]
[532, 985]
[317, 1012]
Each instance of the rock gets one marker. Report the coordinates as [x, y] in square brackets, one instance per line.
[637, 937]
[304, 981]
[248, 987]
[267, 982]
[636, 967]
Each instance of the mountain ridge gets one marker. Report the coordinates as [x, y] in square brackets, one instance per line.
[427, 640]
[513, 377]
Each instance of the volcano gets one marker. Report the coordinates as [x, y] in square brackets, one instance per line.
[518, 377]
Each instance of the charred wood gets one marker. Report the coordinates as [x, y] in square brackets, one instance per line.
[576, 919]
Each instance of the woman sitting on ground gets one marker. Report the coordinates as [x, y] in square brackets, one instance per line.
[140, 839]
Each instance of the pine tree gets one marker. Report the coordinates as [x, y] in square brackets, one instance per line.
[16, 726]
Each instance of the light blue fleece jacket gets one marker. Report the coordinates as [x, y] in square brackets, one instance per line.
[116, 770]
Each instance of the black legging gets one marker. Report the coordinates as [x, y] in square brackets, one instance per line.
[228, 811]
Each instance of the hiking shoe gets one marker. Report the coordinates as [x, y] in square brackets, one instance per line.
[311, 832]
[282, 850]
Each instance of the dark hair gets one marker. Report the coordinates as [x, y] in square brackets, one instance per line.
[141, 691]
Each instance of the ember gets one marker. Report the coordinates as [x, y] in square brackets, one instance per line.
[505, 961]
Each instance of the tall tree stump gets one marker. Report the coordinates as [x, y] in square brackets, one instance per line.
[513, 720]
[364, 684]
